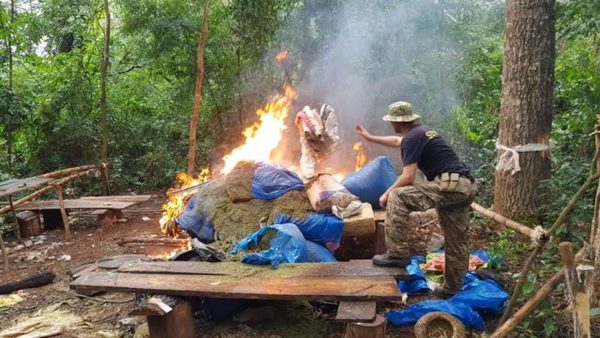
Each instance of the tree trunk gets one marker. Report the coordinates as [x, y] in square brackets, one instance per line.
[103, 79]
[9, 132]
[191, 167]
[526, 109]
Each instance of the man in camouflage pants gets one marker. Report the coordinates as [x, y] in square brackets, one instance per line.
[449, 188]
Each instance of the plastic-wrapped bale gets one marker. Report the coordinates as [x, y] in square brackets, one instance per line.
[324, 192]
[371, 181]
[273, 181]
[280, 243]
[196, 221]
[323, 229]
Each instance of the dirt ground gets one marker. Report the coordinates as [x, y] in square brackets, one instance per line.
[107, 315]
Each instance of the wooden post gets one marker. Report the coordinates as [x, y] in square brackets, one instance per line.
[104, 178]
[177, 323]
[529, 306]
[63, 212]
[14, 213]
[578, 296]
[594, 231]
[372, 329]
[4, 254]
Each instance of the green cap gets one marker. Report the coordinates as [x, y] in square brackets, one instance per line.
[400, 111]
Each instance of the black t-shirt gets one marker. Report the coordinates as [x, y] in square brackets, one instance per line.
[433, 154]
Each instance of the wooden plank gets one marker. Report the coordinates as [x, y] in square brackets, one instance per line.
[74, 204]
[177, 323]
[356, 311]
[357, 268]
[18, 185]
[119, 198]
[296, 288]
[379, 215]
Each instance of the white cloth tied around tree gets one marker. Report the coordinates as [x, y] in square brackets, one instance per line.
[509, 160]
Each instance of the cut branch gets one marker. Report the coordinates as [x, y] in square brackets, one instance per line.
[521, 228]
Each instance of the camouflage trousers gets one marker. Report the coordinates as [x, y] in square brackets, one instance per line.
[452, 204]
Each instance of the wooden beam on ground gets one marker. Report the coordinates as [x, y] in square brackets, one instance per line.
[63, 211]
[356, 311]
[578, 291]
[293, 288]
[530, 305]
[355, 268]
[153, 241]
[29, 282]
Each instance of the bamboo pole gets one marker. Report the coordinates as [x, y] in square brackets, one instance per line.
[521, 228]
[529, 306]
[63, 211]
[44, 190]
[64, 172]
[4, 253]
[157, 241]
[561, 218]
[576, 291]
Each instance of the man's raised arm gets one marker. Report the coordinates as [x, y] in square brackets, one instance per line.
[388, 141]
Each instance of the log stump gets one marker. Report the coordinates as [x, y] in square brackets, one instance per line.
[29, 223]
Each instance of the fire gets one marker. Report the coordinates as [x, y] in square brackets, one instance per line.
[264, 136]
[361, 155]
[282, 56]
[176, 202]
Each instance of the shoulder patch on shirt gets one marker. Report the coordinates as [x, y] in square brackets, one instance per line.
[431, 134]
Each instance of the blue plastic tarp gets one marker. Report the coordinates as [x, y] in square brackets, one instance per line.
[197, 223]
[370, 182]
[324, 229]
[272, 181]
[416, 283]
[287, 246]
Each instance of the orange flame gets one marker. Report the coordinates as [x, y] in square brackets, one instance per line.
[176, 202]
[282, 56]
[262, 138]
[361, 155]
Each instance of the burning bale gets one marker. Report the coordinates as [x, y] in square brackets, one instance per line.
[216, 211]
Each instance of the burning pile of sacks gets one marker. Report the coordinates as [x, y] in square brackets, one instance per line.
[268, 215]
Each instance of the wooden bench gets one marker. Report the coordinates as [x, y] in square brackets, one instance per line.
[346, 282]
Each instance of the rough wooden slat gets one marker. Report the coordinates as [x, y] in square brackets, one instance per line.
[17, 185]
[362, 224]
[357, 268]
[297, 288]
[379, 215]
[353, 311]
[119, 198]
[74, 204]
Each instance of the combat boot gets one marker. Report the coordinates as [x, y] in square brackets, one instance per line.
[390, 261]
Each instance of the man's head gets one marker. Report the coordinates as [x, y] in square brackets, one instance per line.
[400, 114]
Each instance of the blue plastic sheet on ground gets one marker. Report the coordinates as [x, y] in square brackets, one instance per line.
[476, 297]
[287, 246]
[416, 283]
[197, 224]
[482, 295]
[272, 181]
[411, 314]
[319, 228]
[370, 182]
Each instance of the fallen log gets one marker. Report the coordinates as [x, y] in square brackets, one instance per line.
[29, 282]
[537, 236]
[156, 241]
